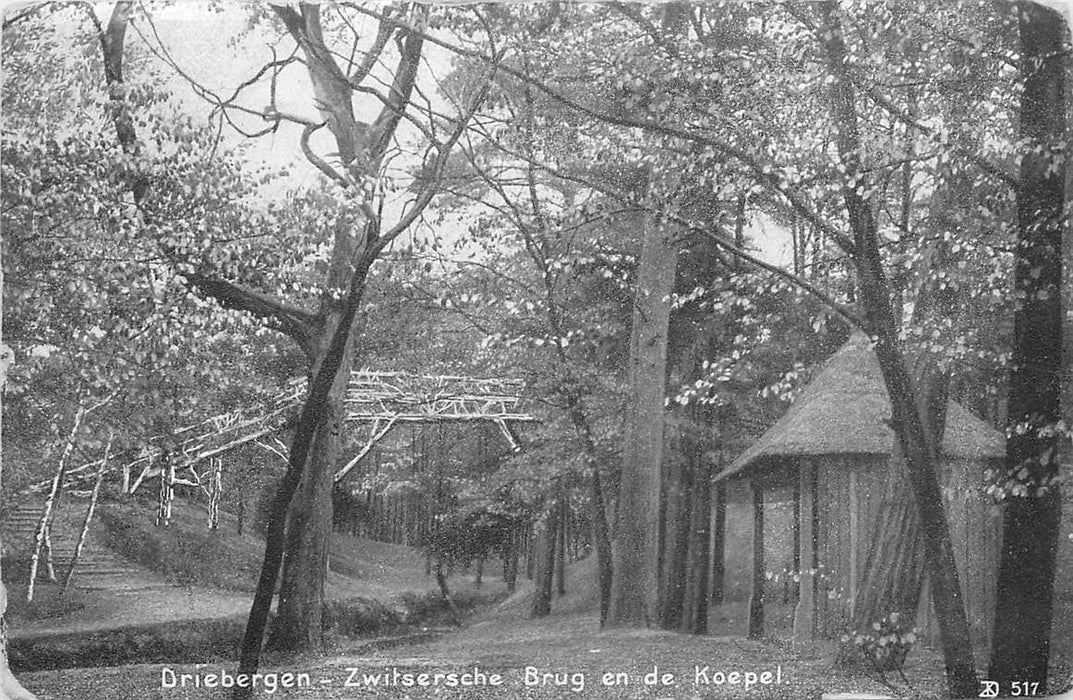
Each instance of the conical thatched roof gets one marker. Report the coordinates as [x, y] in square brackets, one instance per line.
[845, 410]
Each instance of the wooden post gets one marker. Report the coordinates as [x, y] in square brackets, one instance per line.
[796, 586]
[854, 541]
[756, 598]
[805, 613]
[719, 543]
[167, 490]
[216, 487]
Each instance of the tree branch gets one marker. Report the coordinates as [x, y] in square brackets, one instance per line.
[443, 151]
[383, 33]
[383, 129]
[296, 323]
[761, 171]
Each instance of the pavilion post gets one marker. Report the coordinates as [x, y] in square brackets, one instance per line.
[805, 613]
[756, 599]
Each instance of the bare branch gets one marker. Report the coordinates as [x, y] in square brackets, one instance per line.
[316, 160]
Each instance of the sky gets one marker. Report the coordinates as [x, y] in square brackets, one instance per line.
[219, 50]
[195, 40]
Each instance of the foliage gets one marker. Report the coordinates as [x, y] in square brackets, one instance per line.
[886, 644]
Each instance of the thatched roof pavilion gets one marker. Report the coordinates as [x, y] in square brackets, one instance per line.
[845, 410]
[832, 451]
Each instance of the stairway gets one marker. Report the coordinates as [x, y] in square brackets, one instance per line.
[98, 568]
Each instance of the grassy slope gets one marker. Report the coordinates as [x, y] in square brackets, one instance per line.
[188, 553]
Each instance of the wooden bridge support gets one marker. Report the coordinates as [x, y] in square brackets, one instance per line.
[216, 487]
[167, 491]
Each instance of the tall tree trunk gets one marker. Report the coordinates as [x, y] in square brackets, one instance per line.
[89, 515]
[297, 625]
[1021, 642]
[634, 546]
[601, 535]
[510, 566]
[445, 593]
[893, 573]
[560, 547]
[41, 537]
[544, 575]
[920, 449]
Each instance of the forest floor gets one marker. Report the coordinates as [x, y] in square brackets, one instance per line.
[562, 656]
[505, 654]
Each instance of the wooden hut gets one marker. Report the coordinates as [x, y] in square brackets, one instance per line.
[831, 453]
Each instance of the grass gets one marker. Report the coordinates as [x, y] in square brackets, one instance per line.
[48, 604]
[186, 552]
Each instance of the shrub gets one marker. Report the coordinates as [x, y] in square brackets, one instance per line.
[886, 644]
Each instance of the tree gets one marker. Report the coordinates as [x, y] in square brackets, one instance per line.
[1020, 649]
[10, 688]
[920, 447]
[356, 236]
[635, 543]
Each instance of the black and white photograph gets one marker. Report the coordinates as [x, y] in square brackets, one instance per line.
[536, 350]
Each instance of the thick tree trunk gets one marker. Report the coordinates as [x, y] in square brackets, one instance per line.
[297, 625]
[312, 418]
[634, 548]
[1021, 641]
